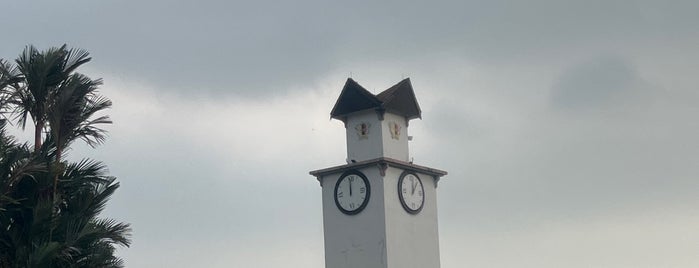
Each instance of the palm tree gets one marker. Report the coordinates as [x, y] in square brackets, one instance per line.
[36, 75]
[44, 87]
[88, 240]
[28, 217]
[25, 206]
[44, 223]
[70, 110]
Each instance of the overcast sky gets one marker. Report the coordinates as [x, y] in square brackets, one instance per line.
[569, 129]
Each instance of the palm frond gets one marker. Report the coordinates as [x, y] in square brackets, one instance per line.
[74, 59]
[44, 255]
[112, 231]
[73, 105]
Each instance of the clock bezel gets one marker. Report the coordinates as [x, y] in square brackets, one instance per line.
[366, 199]
[400, 192]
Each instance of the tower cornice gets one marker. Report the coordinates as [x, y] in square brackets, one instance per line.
[382, 163]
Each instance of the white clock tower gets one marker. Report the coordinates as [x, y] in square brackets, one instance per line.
[380, 209]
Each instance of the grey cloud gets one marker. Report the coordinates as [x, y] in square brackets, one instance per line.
[174, 192]
[256, 48]
[607, 141]
[596, 83]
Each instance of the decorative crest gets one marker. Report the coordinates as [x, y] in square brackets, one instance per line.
[362, 130]
[395, 130]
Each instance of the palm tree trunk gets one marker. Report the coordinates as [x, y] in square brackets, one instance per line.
[59, 151]
[37, 135]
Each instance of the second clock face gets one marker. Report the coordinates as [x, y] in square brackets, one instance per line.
[411, 192]
[352, 192]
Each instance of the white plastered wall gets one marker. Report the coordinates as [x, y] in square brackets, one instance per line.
[378, 142]
[383, 235]
[396, 148]
[412, 239]
[355, 241]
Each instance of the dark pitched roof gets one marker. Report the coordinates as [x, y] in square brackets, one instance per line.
[399, 99]
[353, 98]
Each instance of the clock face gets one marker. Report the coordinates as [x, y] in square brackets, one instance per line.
[411, 193]
[352, 192]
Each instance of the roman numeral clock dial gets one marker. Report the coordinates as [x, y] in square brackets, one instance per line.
[352, 192]
[411, 192]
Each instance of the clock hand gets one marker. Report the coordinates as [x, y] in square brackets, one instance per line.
[412, 185]
[350, 186]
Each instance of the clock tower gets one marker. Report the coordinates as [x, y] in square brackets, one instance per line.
[379, 209]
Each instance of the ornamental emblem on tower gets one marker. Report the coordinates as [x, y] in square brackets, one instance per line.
[362, 130]
[395, 130]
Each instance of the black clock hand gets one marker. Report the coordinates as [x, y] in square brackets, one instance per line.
[350, 186]
[413, 184]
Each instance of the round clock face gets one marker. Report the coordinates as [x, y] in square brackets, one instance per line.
[352, 192]
[411, 193]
